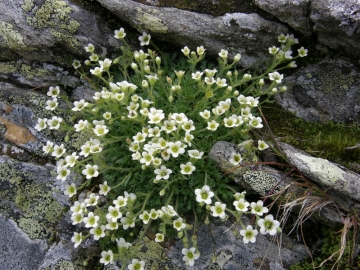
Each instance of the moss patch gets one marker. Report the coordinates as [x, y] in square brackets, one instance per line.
[327, 140]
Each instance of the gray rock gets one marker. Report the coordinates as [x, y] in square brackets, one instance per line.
[336, 23]
[294, 13]
[248, 34]
[326, 91]
[230, 252]
[342, 185]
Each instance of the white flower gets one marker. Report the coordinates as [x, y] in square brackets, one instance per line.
[258, 208]
[302, 52]
[159, 237]
[223, 53]
[154, 214]
[91, 220]
[120, 201]
[94, 57]
[249, 234]
[77, 218]
[252, 102]
[98, 232]
[276, 76]
[119, 34]
[147, 158]
[48, 148]
[282, 38]
[288, 54]
[63, 172]
[178, 224]
[90, 171]
[128, 221]
[78, 207]
[121, 243]
[167, 210]
[204, 194]
[235, 158]
[136, 265]
[145, 217]
[71, 159]
[186, 51]
[107, 257]
[144, 39]
[188, 138]
[256, 122]
[113, 213]
[262, 145]
[53, 91]
[188, 125]
[41, 124]
[58, 151]
[90, 48]
[200, 50]
[205, 114]
[241, 205]
[51, 104]
[218, 210]
[221, 82]
[85, 149]
[162, 173]
[169, 126]
[104, 189]
[230, 122]
[54, 122]
[273, 50]
[175, 148]
[268, 225]
[197, 75]
[212, 125]
[139, 137]
[195, 154]
[209, 80]
[76, 64]
[97, 71]
[100, 130]
[79, 105]
[70, 190]
[77, 239]
[190, 255]
[92, 200]
[111, 225]
[187, 168]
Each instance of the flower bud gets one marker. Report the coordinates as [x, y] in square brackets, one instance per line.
[283, 88]
[87, 62]
[274, 90]
[158, 60]
[137, 55]
[147, 69]
[146, 62]
[171, 99]
[180, 234]
[134, 66]
[236, 93]
[209, 94]
[162, 192]
[237, 57]
[145, 84]
[229, 74]
[261, 82]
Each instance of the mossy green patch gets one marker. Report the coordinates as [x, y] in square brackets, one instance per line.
[37, 211]
[325, 140]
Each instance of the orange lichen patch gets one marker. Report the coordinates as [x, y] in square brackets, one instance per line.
[16, 134]
[7, 108]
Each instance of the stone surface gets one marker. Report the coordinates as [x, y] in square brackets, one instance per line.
[336, 23]
[294, 13]
[342, 185]
[326, 91]
[248, 34]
